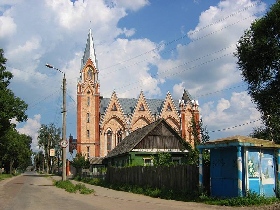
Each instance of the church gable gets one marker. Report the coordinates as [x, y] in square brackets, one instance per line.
[169, 112]
[113, 110]
[142, 114]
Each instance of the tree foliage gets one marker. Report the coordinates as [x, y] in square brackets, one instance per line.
[14, 147]
[39, 161]
[49, 138]
[11, 107]
[162, 159]
[17, 153]
[258, 53]
[261, 133]
[80, 162]
[201, 136]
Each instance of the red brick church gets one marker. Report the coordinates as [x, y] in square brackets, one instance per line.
[103, 122]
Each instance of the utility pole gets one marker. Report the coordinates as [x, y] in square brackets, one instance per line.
[64, 142]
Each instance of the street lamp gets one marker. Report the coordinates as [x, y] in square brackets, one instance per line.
[63, 143]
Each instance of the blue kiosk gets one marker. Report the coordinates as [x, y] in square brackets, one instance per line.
[239, 164]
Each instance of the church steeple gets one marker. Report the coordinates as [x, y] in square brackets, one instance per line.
[89, 52]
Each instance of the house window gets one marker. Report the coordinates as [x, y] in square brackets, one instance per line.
[119, 136]
[88, 101]
[88, 117]
[176, 160]
[88, 133]
[148, 161]
[88, 152]
[109, 140]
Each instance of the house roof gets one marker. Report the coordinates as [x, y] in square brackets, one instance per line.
[96, 160]
[239, 141]
[131, 141]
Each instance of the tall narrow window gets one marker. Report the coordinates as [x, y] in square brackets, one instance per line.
[88, 117]
[109, 140]
[119, 136]
[88, 101]
[88, 133]
[88, 152]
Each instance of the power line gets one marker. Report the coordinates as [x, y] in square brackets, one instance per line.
[236, 126]
[192, 41]
[184, 36]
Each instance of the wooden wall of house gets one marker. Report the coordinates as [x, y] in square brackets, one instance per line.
[160, 142]
[161, 138]
[179, 177]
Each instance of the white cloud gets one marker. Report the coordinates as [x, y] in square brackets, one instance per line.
[128, 77]
[206, 63]
[31, 128]
[238, 111]
[132, 5]
[7, 26]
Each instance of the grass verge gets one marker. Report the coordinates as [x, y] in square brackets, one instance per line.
[251, 199]
[70, 187]
[5, 176]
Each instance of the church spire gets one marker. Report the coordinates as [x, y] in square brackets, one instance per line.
[89, 52]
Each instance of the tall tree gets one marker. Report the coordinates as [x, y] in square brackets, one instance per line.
[49, 138]
[258, 53]
[17, 153]
[201, 136]
[10, 105]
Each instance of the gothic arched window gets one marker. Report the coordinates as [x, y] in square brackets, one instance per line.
[119, 136]
[90, 74]
[109, 140]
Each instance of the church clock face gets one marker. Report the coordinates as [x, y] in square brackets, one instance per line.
[89, 73]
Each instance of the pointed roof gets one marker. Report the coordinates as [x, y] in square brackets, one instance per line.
[89, 52]
[187, 96]
[131, 141]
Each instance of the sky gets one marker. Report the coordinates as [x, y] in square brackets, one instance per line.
[151, 45]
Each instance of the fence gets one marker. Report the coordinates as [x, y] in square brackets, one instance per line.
[178, 177]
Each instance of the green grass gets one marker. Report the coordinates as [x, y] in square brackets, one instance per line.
[71, 188]
[5, 176]
[251, 199]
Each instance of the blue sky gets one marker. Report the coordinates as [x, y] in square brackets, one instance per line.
[155, 46]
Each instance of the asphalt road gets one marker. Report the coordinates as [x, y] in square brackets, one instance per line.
[32, 191]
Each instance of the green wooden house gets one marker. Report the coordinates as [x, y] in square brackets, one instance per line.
[140, 146]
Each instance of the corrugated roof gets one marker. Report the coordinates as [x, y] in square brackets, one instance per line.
[239, 140]
[96, 160]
